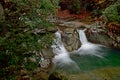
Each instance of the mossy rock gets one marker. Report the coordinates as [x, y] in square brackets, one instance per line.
[57, 76]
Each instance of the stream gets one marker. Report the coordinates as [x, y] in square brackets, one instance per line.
[90, 62]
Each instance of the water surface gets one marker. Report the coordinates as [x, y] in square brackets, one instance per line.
[111, 58]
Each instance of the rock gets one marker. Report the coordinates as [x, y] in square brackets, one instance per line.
[103, 38]
[32, 59]
[95, 32]
[57, 76]
[70, 39]
[115, 44]
[44, 63]
[47, 53]
[68, 36]
[69, 48]
[100, 38]
[23, 72]
[67, 24]
[52, 29]
[25, 78]
[41, 76]
[42, 72]
[23, 75]
[118, 39]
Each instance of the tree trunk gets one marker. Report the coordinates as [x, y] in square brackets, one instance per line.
[1, 12]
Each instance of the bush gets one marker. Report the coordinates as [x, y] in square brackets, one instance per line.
[111, 13]
[74, 6]
[17, 37]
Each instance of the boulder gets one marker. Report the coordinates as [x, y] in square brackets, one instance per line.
[108, 36]
[47, 53]
[57, 76]
[70, 39]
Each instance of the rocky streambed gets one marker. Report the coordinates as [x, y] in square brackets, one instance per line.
[102, 69]
[96, 32]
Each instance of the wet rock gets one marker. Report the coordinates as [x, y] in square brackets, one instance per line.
[100, 38]
[98, 33]
[103, 38]
[57, 76]
[70, 39]
[69, 48]
[68, 34]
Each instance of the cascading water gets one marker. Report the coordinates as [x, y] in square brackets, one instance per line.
[86, 57]
[89, 65]
[88, 48]
[82, 36]
[62, 59]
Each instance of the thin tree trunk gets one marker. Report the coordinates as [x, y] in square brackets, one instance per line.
[1, 12]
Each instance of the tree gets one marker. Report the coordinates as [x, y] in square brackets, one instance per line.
[111, 13]
[19, 33]
[75, 6]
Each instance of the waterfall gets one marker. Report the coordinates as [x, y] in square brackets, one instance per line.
[82, 36]
[62, 58]
[88, 48]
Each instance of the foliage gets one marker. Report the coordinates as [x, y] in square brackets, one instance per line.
[96, 13]
[17, 37]
[111, 13]
[87, 4]
[75, 6]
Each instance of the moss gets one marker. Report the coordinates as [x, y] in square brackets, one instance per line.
[57, 76]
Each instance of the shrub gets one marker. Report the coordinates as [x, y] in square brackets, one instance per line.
[74, 6]
[111, 13]
[17, 39]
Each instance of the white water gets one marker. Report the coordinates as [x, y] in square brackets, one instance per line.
[62, 58]
[82, 36]
[88, 48]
